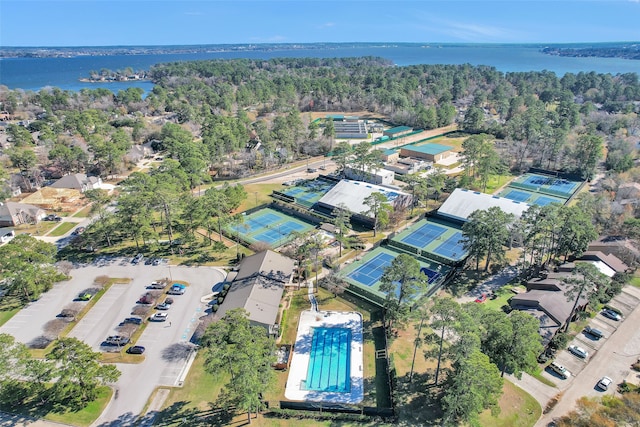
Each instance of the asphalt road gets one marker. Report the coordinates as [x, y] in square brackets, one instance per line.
[137, 381]
[611, 356]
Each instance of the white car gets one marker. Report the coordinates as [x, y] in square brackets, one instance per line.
[560, 370]
[578, 351]
[604, 383]
[159, 317]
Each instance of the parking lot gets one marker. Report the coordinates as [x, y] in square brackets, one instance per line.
[159, 368]
[610, 356]
[625, 302]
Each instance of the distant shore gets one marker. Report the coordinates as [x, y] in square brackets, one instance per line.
[105, 80]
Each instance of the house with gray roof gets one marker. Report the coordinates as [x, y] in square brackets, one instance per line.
[13, 213]
[258, 286]
[78, 181]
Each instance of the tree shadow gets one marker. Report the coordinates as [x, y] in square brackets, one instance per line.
[418, 402]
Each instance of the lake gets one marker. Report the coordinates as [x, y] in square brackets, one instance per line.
[36, 73]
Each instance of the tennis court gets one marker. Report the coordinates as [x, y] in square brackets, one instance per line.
[372, 270]
[365, 275]
[530, 197]
[309, 192]
[518, 196]
[423, 235]
[269, 226]
[551, 185]
[452, 248]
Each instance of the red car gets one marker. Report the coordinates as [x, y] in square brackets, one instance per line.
[482, 298]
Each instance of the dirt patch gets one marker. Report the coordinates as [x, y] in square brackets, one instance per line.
[57, 199]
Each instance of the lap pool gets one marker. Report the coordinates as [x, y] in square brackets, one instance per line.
[329, 360]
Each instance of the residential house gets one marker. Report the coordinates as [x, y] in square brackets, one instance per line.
[13, 213]
[78, 181]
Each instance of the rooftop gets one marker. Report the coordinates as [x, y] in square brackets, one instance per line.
[432, 149]
[462, 203]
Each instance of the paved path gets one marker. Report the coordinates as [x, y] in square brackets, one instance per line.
[492, 283]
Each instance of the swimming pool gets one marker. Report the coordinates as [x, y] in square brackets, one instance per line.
[329, 360]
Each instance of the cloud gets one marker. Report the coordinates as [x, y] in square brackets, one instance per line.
[329, 25]
[194, 13]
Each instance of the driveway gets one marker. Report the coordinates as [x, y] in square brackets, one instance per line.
[611, 356]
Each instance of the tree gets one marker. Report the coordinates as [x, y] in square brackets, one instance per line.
[378, 209]
[20, 136]
[342, 221]
[585, 280]
[23, 159]
[334, 284]
[576, 232]
[246, 352]
[341, 155]
[512, 341]
[26, 264]
[485, 234]
[444, 315]
[79, 373]
[474, 386]
[400, 282]
[587, 153]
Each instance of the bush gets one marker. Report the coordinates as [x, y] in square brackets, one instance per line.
[560, 340]
[101, 281]
[40, 342]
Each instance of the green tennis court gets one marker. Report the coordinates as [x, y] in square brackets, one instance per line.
[269, 226]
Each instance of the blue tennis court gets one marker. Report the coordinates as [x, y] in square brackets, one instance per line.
[293, 191]
[432, 275]
[329, 360]
[544, 201]
[555, 185]
[371, 271]
[518, 196]
[274, 233]
[452, 248]
[424, 235]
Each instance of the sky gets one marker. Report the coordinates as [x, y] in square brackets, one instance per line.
[178, 22]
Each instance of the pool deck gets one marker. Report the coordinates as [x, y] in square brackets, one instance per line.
[300, 362]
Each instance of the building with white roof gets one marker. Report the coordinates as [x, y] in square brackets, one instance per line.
[462, 203]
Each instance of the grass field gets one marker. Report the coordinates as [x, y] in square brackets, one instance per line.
[82, 418]
[62, 229]
[517, 408]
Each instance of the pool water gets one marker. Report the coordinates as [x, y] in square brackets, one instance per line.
[329, 360]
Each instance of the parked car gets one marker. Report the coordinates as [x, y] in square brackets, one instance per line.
[85, 296]
[177, 289]
[133, 320]
[596, 333]
[481, 298]
[560, 370]
[157, 285]
[579, 351]
[52, 217]
[611, 314]
[136, 259]
[136, 349]
[163, 306]
[156, 261]
[117, 340]
[604, 383]
[159, 317]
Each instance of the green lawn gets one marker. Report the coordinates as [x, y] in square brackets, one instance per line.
[62, 229]
[86, 416]
[517, 408]
[502, 296]
[635, 281]
[82, 418]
